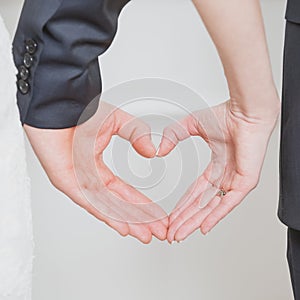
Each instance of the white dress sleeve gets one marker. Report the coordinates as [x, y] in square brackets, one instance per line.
[16, 241]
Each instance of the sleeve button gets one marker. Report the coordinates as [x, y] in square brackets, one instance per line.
[31, 46]
[23, 86]
[24, 72]
[28, 60]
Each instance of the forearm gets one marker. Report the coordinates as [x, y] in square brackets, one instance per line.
[59, 77]
[236, 27]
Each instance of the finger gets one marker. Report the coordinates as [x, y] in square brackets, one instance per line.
[117, 211]
[227, 204]
[134, 216]
[150, 213]
[189, 197]
[115, 223]
[193, 222]
[202, 183]
[128, 193]
[186, 214]
[140, 232]
[135, 207]
[181, 218]
[128, 198]
[136, 230]
[176, 132]
[136, 131]
[121, 227]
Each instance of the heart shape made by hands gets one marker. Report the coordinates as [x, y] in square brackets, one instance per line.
[231, 174]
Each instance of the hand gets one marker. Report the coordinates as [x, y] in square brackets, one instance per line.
[73, 161]
[238, 145]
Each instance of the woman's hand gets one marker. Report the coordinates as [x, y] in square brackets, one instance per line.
[73, 161]
[238, 145]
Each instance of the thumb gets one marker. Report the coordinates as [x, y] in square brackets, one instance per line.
[137, 132]
[176, 132]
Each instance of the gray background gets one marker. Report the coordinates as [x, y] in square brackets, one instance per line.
[77, 257]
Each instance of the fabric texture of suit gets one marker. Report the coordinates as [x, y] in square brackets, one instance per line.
[292, 12]
[60, 76]
[289, 164]
[289, 194]
[293, 256]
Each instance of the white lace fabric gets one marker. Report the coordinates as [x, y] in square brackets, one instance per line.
[16, 240]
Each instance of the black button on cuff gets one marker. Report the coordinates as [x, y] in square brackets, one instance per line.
[23, 86]
[24, 73]
[28, 60]
[31, 46]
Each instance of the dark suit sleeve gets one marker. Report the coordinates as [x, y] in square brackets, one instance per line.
[292, 12]
[56, 49]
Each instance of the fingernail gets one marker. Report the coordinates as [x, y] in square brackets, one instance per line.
[172, 242]
[157, 151]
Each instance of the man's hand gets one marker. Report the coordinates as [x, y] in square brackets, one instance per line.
[73, 161]
[238, 145]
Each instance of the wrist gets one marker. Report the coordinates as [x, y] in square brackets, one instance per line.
[263, 106]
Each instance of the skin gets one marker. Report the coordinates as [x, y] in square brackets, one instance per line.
[244, 123]
[73, 161]
[238, 148]
[237, 132]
